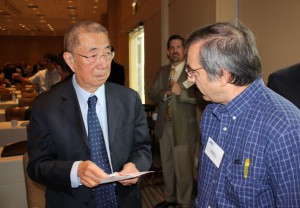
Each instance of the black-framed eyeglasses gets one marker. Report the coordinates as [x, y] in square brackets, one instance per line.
[107, 56]
[190, 71]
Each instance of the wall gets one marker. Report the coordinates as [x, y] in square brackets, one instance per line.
[275, 24]
[29, 49]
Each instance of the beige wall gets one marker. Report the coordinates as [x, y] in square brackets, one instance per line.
[27, 48]
[275, 24]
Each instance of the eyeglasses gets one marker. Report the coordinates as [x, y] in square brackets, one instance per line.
[107, 56]
[190, 71]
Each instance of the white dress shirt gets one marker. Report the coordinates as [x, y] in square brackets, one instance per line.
[83, 97]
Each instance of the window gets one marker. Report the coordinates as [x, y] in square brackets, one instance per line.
[136, 61]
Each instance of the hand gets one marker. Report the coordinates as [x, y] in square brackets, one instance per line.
[129, 168]
[90, 174]
[176, 89]
[16, 76]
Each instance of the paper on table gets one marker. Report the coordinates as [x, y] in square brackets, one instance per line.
[115, 176]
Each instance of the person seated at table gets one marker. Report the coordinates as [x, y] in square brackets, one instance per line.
[63, 69]
[45, 78]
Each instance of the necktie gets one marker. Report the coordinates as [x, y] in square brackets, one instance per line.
[169, 99]
[105, 194]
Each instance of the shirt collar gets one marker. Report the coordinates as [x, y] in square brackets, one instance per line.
[84, 95]
[179, 67]
[241, 103]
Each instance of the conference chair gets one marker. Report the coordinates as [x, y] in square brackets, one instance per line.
[15, 113]
[35, 192]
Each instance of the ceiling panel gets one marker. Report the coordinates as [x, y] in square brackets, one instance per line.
[47, 17]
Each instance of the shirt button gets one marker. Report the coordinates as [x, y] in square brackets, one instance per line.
[214, 181]
[208, 207]
[224, 128]
[233, 117]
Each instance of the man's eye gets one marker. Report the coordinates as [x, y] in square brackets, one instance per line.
[106, 53]
[92, 57]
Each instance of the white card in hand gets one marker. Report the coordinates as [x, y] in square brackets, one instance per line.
[116, 177]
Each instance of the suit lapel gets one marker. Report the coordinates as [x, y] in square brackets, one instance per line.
[70, 107]
[113, 110]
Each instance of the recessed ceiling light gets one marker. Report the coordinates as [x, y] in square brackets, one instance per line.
[32, 6]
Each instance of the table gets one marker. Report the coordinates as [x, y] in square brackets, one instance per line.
[2, 115]
[6, 104]
[12, 183]
[9, 134]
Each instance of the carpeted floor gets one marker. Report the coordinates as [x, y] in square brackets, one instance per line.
[152, 187]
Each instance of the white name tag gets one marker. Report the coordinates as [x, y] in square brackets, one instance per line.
[187, 84]
[214, 152]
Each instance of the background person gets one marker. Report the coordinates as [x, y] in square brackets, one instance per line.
[176, 126]
[61, 153]
[250, 134]
[117, 72]
[64, 71]
[45, 78]
[286, 82]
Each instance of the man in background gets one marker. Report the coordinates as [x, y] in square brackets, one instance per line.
[45, 78]
[250, 135]
[176, 125]
[64, 71]
[286, 82]
[117, 73]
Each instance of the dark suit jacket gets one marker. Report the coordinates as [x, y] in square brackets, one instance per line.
[286, 82]
[117, 74]
[57, 137]
[184, 120]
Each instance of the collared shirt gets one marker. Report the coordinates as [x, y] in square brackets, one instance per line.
[178, 70]
[263, 127]
[83, 97]
[42, 78]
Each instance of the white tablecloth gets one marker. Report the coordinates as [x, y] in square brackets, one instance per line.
[11, 135]
[12, 184]
[2, 115]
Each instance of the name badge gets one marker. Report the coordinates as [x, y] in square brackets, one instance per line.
[214, 152]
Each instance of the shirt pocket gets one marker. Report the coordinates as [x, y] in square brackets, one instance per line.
[244, 192]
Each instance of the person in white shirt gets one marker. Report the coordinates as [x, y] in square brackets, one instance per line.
[45, 78]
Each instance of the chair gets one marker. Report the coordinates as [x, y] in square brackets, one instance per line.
[156, 162]
[149, 109]
[15, 113]
[23, 102]
[6, 96]
[27, 89]
[29, 94]
[2, 88]
[35, 192]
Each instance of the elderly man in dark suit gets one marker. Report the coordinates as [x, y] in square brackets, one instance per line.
[61, 151]
[286, 82]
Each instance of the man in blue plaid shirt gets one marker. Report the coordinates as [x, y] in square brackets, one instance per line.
[250, 135]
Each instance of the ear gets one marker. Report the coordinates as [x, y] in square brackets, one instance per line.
[224, 78]
[69, 60]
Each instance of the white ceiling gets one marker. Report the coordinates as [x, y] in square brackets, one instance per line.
[39, 16]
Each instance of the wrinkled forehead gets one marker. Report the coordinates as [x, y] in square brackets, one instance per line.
[94, 42]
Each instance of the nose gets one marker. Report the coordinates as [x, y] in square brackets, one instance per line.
[102, 63]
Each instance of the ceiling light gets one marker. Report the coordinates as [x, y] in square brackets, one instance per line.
[32, 6]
